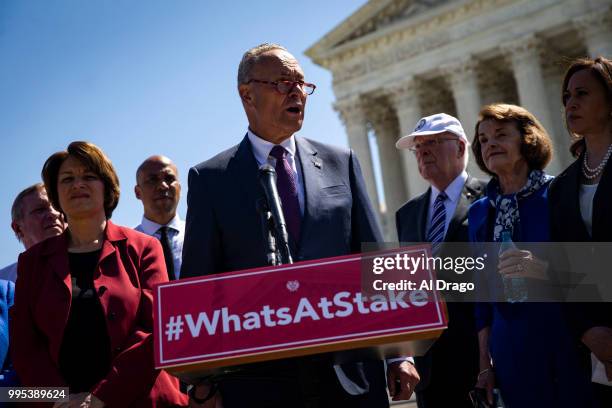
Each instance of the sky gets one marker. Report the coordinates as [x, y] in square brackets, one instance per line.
[142, 77]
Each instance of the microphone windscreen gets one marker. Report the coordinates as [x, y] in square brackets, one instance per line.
[265, 169]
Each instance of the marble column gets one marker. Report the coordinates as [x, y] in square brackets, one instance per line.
[463, 79]
[353, 116]
[596, 30]
[524, 54]
[386, 129]
[405, 98]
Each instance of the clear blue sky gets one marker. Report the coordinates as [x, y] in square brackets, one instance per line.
[139, 78]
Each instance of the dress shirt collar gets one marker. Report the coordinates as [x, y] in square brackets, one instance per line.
[262, 148]
[150, 228]
[453, 190]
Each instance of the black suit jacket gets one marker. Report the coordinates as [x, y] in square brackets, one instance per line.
[224, 232]
[460, 338]
[567, 226]
[223, 229]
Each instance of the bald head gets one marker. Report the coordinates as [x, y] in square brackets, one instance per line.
[158, 187]
[154, 161]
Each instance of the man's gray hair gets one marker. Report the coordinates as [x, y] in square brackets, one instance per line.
[250, 58]
[17, 208]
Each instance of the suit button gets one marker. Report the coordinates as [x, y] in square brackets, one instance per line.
[112, 316]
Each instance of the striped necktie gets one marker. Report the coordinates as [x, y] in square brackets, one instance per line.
[435, 235]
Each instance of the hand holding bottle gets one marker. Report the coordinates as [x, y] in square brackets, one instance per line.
[519, 263]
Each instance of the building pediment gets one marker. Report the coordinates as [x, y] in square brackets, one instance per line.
[396, 10]
[375, 15]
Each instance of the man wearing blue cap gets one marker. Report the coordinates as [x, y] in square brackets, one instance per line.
[448, 370]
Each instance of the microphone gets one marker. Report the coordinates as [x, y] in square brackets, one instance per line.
[267, 178]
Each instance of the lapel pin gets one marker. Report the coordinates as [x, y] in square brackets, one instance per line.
[317, 164]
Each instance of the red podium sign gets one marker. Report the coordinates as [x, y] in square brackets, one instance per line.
[277, 312]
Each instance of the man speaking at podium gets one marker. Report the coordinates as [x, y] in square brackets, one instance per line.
[327, 213]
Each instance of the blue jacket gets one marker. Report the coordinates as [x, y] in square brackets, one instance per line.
[529, 343]
[7, 294]
[533, 227]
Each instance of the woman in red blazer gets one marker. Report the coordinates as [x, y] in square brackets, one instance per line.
[83, 313]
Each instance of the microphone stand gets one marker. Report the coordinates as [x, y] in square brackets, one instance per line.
[267, 227]
[267, 178]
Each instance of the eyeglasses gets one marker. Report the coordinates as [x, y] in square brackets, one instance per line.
[428, 144]
[284, 87]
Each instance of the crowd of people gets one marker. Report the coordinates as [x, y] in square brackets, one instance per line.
[80, 296]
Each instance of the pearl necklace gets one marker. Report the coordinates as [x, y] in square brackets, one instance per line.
[590, 173]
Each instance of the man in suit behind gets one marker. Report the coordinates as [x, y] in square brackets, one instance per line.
[33, 220]
[449, 369]
[159, 189]
[327, 212]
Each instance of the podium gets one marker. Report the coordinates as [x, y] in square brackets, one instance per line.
[209, 324]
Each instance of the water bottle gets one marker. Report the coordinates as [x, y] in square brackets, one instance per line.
[515, 288]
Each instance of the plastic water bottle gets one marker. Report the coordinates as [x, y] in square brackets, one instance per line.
[515, 288]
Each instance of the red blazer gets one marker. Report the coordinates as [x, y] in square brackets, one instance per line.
[130, 264]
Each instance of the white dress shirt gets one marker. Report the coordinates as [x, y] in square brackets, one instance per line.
[176, 233]
[262, 149]
[453, 192]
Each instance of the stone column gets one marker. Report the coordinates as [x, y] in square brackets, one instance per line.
[463, 79]
[405, 98]
[524, 54]
[353, 116]
[596, 29]
[385, 127]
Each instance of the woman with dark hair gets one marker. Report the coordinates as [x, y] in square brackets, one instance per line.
[83, 304]
[525, 348]
[581, 201]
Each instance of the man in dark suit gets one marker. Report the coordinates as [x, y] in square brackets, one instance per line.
[327, 212]
[449, 369]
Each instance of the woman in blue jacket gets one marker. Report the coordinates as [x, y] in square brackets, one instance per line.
[525, 348]
[7, 292]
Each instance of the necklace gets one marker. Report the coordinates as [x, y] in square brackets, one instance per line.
[590, 173]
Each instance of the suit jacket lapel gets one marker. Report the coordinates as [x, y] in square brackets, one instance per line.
[601, 201]
[312, 175]
[57, 252]
[470, 191]
[572, 204]
[112, 236]
[243, 168]
[422, 210]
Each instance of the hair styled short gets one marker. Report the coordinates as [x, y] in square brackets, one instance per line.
[94, 159]
[536, 146]
[17, 208]
[601, 68]
[250, 58]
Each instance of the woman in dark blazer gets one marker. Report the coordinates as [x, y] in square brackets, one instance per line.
[83, 313]
[581, 199]
[525, 348]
